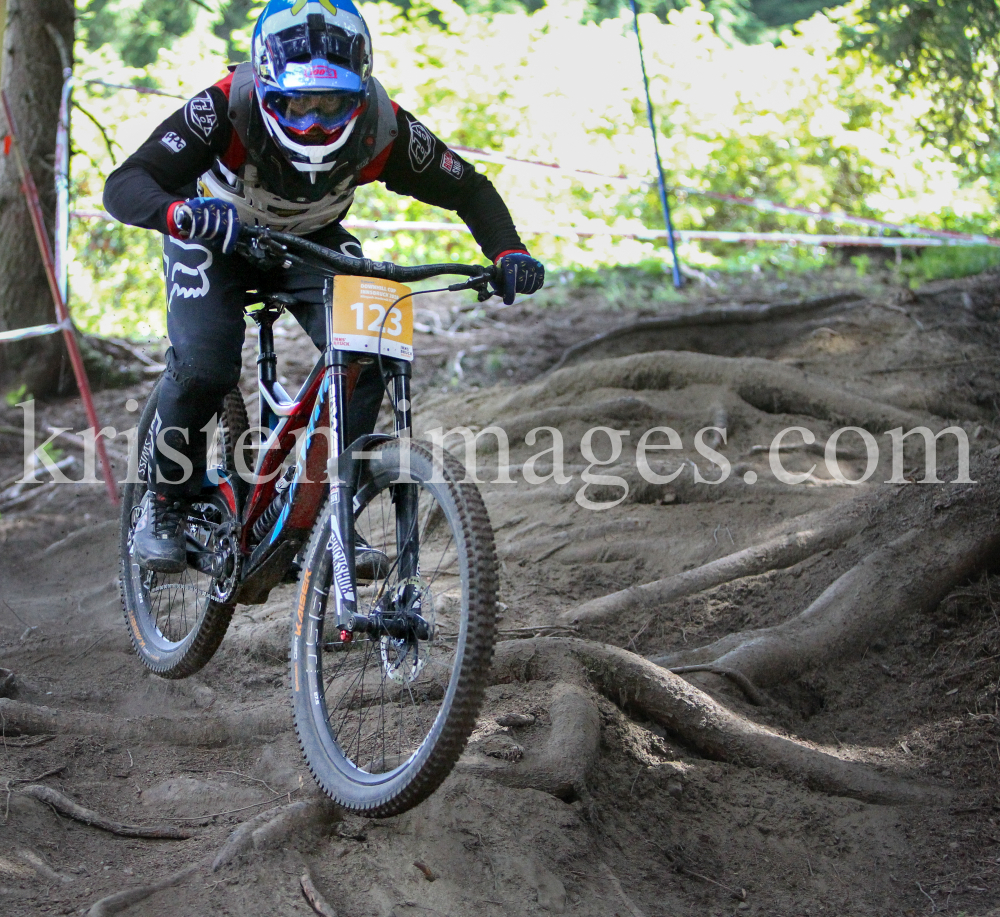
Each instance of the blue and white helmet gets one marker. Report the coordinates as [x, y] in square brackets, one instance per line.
[312, 60]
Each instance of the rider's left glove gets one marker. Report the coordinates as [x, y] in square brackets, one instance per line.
[519, 273]
[205, 219]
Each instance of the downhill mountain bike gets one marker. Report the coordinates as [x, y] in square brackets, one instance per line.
[387, 669]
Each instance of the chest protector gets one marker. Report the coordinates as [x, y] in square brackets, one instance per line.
[268, 191]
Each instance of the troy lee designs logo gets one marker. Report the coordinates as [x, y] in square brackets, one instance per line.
[421, 146]
[200, 116]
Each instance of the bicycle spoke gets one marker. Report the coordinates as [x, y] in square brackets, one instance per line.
[390, 690]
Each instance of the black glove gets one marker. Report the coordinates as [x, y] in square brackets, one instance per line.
[518, 273]
[206, 219]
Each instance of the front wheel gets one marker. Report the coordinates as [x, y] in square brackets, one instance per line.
[383, 717]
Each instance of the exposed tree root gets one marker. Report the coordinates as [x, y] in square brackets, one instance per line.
[43, 869]
[727, 315]
[560, 766]
[232, 729]
[769, 386]
[271, 828]
[749, 689]
[909, 575]
[816, 532]
[67, 807]
[268, 829]
[699, 721]
[316, 901]
[120, 901]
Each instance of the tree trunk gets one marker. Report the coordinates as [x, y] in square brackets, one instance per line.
[31, 75]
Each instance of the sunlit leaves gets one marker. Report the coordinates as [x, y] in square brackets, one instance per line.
[794, 123]
[949, 49]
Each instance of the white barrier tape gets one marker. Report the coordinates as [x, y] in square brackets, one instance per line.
[762, 204]
[499, 159]
[681, 235]
[21, 334]
[142, 90]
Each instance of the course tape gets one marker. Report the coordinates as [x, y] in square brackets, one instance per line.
[758, 203]
[681, 235]
[36, 331]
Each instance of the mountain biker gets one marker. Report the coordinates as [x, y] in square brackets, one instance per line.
[282, 141]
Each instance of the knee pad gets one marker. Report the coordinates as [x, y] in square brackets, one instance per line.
[203, 374]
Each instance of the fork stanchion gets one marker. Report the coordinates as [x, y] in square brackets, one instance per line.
[38, 222]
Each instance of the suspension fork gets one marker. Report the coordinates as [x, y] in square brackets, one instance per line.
[341, 542]
[406, 493]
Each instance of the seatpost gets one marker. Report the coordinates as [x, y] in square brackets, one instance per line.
[267, 364]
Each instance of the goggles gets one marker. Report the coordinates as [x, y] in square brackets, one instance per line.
[301, 112]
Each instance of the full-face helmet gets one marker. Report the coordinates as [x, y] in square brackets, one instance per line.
[311, 62]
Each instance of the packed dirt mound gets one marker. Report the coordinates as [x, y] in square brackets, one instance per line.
[730, 680]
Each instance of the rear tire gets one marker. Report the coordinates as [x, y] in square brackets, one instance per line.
[177, 621]
[382, 721]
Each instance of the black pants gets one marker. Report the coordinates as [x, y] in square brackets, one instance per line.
[206, 291]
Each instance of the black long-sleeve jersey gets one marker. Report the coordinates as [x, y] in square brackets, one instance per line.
[216, 146]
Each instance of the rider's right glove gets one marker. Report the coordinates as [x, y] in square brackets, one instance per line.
[205, 219]
[518, 273]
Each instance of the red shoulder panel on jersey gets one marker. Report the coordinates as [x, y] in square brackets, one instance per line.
[373, 170]
[226, 84]
[236, 153]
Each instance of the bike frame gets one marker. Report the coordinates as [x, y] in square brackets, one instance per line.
[327, 466]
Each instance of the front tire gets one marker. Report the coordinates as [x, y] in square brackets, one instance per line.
[382, 721]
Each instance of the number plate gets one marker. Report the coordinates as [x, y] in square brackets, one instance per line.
[360, 307]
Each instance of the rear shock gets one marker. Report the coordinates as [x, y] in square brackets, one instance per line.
[270, 515]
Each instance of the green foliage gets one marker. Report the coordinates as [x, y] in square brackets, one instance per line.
[139, 29]
[116, 279]
[948, 50]
[745, 20]
[796, 123]
[16, 395]
[861, 263]
[777, 13]
[235, 23]
[947, 262]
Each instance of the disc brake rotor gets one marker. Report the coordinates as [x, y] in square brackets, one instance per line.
[404, 658]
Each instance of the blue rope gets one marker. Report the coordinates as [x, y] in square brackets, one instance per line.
[678, 281]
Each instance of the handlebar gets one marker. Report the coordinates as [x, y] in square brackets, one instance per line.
[269, 248]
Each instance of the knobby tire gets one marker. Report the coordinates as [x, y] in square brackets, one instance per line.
[438, 684]
[181, 657]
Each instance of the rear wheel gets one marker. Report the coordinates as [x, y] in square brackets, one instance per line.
[383, 717]
[177, 621]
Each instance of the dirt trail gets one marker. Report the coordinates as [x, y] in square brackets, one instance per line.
[597, 804]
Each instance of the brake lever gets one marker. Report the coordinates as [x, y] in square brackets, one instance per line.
[480, 284]
[264, 252]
